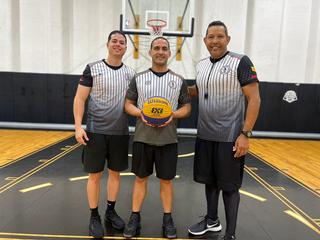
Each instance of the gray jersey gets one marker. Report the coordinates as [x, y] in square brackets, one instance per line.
[108, 84]
[149, 84]
[221, 100]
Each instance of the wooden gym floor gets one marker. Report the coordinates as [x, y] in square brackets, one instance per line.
[42, 190]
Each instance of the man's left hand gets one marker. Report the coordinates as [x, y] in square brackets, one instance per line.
[241, 146]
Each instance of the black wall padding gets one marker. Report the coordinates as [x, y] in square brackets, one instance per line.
[48, 98]
[278, 115]
[42, 98]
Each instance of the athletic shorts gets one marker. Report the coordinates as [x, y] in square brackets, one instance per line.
[101, 148]
[144, 156]
[214, 163]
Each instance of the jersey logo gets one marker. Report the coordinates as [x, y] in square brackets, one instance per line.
[148, 82]
[225, 69]
[172, 84]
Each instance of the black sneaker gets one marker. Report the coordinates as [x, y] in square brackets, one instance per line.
[95, 227]
[133, 226]
[169, 229]
[204, 226]
[112, 217]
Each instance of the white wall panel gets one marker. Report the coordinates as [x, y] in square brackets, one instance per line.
[282, 37]
[263, 37]
[294, 41]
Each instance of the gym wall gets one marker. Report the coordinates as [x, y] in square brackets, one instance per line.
[48, 98]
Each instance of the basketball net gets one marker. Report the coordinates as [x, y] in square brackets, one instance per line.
[156, 26]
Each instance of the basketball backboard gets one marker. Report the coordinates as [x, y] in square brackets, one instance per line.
[177, 14]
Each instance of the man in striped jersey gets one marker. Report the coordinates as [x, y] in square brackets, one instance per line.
[155, 145]
[104, 83]
[223, 82]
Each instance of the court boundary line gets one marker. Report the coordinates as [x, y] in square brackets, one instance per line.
[285, 174]
[79, 236]
[284, 200]
[36, 151]
[36, 169]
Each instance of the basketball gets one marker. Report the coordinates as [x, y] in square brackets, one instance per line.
[156, 110]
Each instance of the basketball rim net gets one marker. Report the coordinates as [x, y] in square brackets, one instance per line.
[156, 26]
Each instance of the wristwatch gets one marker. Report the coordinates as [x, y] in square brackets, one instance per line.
[248, 134]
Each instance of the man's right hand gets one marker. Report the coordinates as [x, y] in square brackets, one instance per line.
[81, 136]
[145, 121]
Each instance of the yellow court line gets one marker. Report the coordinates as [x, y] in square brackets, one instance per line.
[34, 152]
[186, 155]
[301, 219]
[179, 156]
[36, 169]
[253, 168]
[10, 178]
[283, 199]
[43, 160]
[35, 187]
[127, 174]
[261, 199]
[78, 178]
[78, 236]
[285, 174]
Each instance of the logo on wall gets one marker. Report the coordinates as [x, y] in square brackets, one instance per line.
[225, 69]
[290, 96]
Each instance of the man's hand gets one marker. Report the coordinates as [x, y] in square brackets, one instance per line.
[167, 122]
[81, 136]
[145, 121]
[241, 146]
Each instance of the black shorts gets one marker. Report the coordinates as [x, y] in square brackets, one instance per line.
[144, 156]
[214, 163]
[101, 148]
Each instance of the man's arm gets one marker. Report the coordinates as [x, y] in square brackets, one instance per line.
[131, 109]
[193, 91]
[251, 92]
[183, 112]
[78, 111]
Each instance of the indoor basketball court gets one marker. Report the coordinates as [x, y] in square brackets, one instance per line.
[46, 46]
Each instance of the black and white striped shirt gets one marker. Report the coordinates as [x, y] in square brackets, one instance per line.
[221, 100]
[149, 84]
[108, 84]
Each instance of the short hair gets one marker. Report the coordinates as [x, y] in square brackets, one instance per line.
[117, 32]
[157, 38]
[217, 23]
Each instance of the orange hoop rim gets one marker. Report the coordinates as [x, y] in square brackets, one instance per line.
[156, 23]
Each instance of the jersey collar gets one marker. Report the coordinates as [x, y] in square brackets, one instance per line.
[113, 67]
[214, 60]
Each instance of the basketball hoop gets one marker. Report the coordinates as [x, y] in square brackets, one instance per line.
[156, 26]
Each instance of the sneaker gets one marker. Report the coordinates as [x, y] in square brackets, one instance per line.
[133, 226]
[112, 217]
[204, 226]
[169, 229]
[95, 227]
